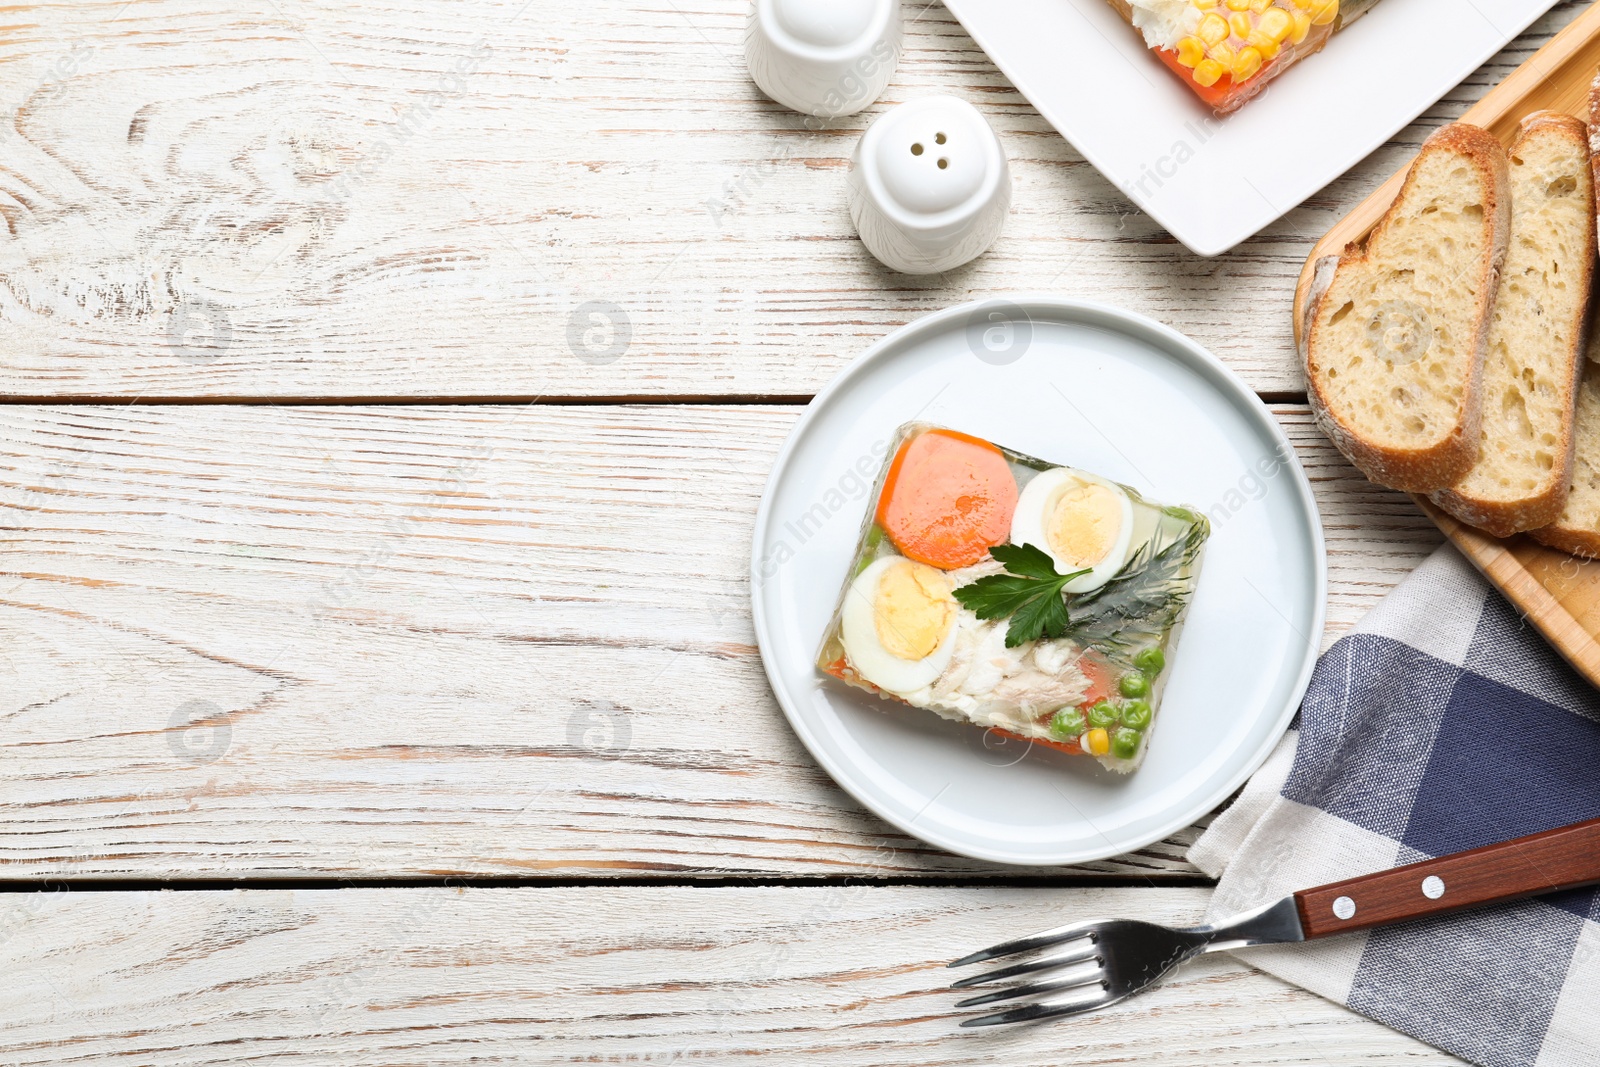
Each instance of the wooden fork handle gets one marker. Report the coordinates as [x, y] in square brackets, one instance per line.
[1541, 863]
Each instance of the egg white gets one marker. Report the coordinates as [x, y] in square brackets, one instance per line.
[859, 632]
[1038, 502]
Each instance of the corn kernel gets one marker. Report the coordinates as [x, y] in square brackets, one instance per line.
[1224, 56]
[1240, 24]
[1099, 741]
[1238, 5]
[1207, 73]
[1275, 23]
[1203, 5]
[1303, 5]
[1191, 50]
[1301, 27]
[1246, 63]
[1213, 29]
[1258, 6]
[1263, 44]
[1324, 11]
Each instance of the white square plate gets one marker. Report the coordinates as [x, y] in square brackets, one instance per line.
[1214, 182]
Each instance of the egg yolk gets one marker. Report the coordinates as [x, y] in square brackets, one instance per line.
[913, 611]
[1084, 524]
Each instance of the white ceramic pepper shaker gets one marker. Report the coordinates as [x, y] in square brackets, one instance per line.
[929, 186]
[825, 58]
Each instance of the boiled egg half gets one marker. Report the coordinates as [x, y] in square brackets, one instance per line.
[899, 624]
[1081, 520]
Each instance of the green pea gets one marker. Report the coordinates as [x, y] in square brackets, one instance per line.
[1124, 743]
[1134, 685]
[1136, 714]
[1067, 724]
[1150, 661]
[869, 548]
[1103, 714]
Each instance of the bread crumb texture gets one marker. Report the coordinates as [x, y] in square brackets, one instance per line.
[1530, 366]
[1400, 325]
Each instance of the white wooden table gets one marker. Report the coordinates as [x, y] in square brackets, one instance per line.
[390, 386]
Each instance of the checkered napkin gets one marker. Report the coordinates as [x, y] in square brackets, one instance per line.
[1443, 722]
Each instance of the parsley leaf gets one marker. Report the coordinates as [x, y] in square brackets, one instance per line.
[1031, 594]
[1026, 560]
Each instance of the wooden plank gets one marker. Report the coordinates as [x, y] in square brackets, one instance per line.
[844, 976]
[372, 199]
[1556, 592]
[260, 641]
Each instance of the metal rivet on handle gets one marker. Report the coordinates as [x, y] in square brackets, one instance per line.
[1344, 908]
[1433, 887]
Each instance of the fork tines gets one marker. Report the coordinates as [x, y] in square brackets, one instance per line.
[1078, 949]
[1085, 973]
[1041, 1010]
[1076, 967]
[1070, 932]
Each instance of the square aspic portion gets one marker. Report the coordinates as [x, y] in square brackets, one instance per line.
[1022, 596]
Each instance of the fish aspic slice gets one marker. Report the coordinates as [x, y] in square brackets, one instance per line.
[1228, 51]
[1021, 596]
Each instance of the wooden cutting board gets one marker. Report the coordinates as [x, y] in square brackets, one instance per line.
[1559, 594]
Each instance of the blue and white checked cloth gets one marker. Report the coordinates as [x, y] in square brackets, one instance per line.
[1442, 722]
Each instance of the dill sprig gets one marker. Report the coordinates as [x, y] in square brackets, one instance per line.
[1143, 598]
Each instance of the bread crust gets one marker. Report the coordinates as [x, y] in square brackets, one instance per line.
[1424, 470]
[1580, 540]
[1579, 537]
[1569, 539]
[1502, 518]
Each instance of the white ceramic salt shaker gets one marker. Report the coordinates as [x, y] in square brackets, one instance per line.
[929, 186]
[825, 58]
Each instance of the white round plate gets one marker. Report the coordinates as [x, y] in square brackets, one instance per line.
[1096, 388]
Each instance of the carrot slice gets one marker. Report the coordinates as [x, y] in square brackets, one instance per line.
[1101, 679]
[948, 498]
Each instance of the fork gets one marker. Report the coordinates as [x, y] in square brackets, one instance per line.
[1087, 966]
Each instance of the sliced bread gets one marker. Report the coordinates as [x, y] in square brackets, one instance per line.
[1536, 335]
[1394, 354]
[1577, 528]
